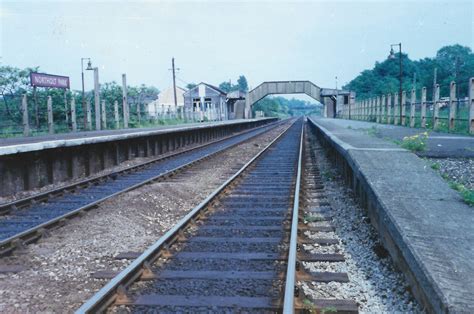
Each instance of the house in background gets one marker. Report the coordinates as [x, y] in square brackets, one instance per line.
[205, 102]
[164, 105]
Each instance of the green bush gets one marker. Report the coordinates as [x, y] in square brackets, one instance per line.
[467, 194]
[415, 143]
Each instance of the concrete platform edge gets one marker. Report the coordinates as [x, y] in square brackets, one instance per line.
[49, 144]
[423, 286]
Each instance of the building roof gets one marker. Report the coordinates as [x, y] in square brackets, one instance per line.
[236, 94]
[216, 88]
[210, 86]
[167, 96]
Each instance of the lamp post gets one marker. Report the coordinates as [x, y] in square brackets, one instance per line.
[89, 67]
[96, 95]
[392, 56]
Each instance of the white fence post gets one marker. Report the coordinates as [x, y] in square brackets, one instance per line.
[436, 108]
[97, 98]
[396, 109]
[89, 115]
[389, 108]
[412, 108]
[452, 106]
[471, 105]
[377, 109]
[116, 115]
[50, 115]
[423, 107]
[382, 107]
[103, 115]
[65, 108]
[26, 122]
[139, 115]
[73, 114]
[403, 102]
[125, 108]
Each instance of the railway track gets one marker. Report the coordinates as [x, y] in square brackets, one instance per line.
[26, 220]
[241, 249]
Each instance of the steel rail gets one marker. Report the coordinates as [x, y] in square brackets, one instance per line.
[107, 295]
[9, 244]
[24, 202]
[288, 301]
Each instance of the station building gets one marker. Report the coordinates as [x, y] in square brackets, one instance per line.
[164, 105]
[205, 102]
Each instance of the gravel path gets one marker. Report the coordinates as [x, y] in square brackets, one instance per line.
[57, 269]
[374, 283]
[458, 170]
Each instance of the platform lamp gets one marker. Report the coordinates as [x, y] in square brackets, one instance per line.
[392, 56]
[89, 67]
[96, 94]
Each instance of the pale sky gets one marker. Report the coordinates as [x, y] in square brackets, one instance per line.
[214, 41]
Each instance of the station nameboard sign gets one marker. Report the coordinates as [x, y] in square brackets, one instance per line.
[48, 80]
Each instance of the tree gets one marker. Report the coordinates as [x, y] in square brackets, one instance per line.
[454, 63]
[225, 86]
[282, 107]
[242, 83]
[111, 92]
[190, 85]
[13, 83]
[140, 95]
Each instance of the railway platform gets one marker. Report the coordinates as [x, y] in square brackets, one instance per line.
[35, 162]
[438, 144]
[12, 145]
[422, 222]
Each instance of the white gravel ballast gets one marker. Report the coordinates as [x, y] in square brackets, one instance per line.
[373, 281]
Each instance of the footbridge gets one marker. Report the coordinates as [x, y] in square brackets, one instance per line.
[330, 98]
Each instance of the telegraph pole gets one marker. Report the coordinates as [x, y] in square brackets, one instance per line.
[174, 87]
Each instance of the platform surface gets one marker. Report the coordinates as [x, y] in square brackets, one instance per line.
[439, 145]
[33, 143]
[428, 221]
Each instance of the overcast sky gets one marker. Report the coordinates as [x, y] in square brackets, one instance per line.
[217, 41]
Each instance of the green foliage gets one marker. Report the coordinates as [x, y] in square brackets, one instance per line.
[309, 218]
[372, 131]
[282, 107]
[310, 307]
[436, 166]
[415, 143]
[241, 85]
[467, 194]
[453, 63]
[191, 85]
[225, 86]
[14, 83]
[328, 309]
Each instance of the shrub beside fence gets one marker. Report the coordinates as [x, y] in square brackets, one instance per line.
[447, 114]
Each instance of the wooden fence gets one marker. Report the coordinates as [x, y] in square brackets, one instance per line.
[441, 113]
